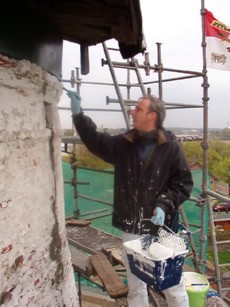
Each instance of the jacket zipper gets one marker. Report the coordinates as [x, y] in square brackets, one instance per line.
[136, 218]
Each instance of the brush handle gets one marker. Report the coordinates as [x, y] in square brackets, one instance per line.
[196, 285]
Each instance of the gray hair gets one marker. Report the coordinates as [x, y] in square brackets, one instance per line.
[156, 105]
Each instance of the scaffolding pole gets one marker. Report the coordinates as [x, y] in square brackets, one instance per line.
[119, 95]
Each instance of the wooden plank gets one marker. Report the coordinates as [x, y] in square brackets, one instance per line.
[110, 278]
[98, 301]
[91, 239]
[157, 298]
[80, 223]
[115, 253]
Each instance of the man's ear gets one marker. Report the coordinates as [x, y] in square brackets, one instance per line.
[153, 116]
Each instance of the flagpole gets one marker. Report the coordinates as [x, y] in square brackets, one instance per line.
[205, 99]
[205, 146]
[205, 141]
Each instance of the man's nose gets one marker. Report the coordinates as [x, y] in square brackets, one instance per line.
[131, 112]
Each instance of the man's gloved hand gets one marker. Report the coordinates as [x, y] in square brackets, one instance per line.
[159, 217]
[75, 102]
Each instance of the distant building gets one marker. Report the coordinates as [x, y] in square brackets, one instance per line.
[215, 184]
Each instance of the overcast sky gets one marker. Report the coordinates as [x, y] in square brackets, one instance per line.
[177, 26]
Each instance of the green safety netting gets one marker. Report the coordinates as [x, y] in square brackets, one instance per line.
[101, 187]
[194, 214]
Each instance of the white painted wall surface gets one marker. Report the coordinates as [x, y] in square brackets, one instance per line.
[35, 264]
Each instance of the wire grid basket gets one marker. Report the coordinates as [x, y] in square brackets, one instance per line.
[161, 274]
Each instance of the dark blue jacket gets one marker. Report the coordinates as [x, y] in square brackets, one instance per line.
[164, 180]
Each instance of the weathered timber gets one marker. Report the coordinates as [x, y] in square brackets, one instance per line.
[110, 278]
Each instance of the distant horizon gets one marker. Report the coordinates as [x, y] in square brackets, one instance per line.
[166, 127]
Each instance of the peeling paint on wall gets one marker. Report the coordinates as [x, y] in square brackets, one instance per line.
[35, 263]
[6, 203]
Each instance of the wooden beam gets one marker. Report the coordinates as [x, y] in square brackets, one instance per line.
[110, 278]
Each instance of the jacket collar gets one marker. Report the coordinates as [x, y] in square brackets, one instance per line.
[162, 137]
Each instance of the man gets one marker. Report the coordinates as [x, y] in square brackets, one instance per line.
[152, 179]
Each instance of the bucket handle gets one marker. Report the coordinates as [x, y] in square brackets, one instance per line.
[169, 229]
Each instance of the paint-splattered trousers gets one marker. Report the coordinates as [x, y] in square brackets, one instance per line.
[138, 296]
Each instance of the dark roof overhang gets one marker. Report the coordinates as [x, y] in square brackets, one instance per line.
[89, 22]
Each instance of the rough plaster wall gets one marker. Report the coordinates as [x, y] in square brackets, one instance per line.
[35, 265]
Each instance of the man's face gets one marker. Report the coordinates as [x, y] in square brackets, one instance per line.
[143, 119]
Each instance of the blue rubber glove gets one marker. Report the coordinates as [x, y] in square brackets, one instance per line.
[159, 217]
[75, 102]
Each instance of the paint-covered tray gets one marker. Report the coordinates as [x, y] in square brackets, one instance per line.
[162, 272]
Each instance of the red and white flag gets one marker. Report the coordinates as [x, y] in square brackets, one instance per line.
[218, 43]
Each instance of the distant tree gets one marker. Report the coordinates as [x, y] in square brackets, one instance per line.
[221, 147]
[86, 159]
[218, 157]
[193, 151]
[222, 169]
[214, 159]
